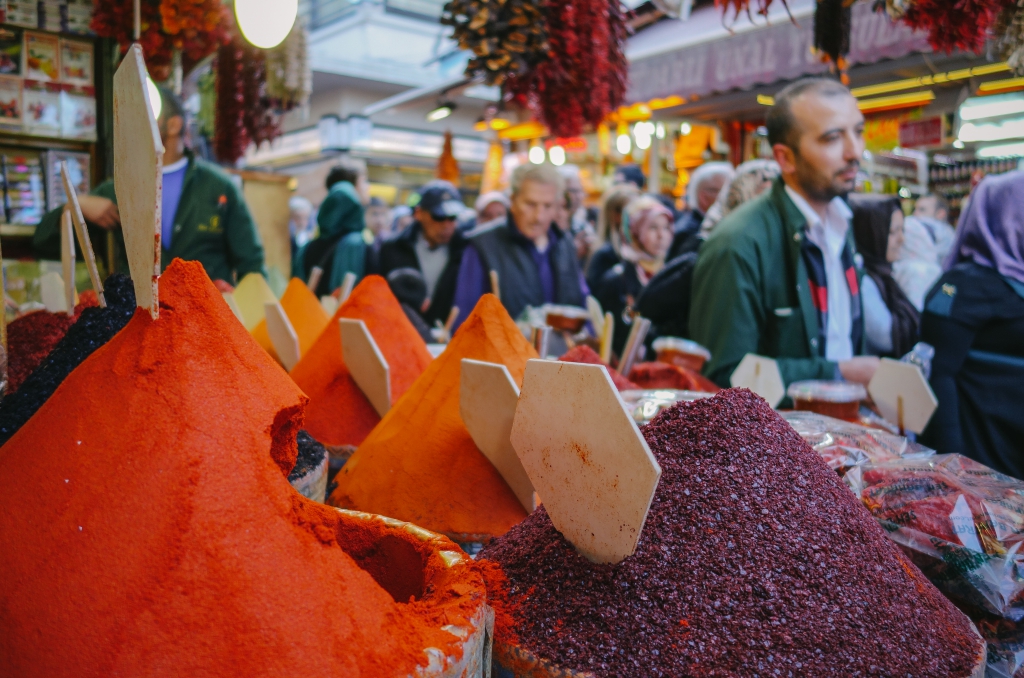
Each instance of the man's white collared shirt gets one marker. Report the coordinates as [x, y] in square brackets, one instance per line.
[830, 237]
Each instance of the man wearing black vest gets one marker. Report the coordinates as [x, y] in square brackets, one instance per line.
[535, 261]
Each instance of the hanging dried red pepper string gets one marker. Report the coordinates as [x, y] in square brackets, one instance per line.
[244, 113]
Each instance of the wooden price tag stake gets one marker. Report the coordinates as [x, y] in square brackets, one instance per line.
[903, 395]
[761, 375]
[367, 365]
[282, 335]
[586, 457]
[82, 231]
[67, 259]
[138, 180]
[487, 404]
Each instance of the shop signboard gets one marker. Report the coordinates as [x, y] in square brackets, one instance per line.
[779, 51]
[921, 133]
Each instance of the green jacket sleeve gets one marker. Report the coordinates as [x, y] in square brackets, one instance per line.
[245, 250]
[349, 257]
[46, 241]
[729, 318]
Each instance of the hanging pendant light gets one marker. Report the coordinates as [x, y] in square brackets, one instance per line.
[266, 23]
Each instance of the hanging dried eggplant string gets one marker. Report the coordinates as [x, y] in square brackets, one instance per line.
[507, 37]
[832, 19]
[289, 76]
[1009, 30]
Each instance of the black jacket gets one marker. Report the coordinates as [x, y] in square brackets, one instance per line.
[685, 238]
[974, 318]
[601, 262]
[399, 251]
[502, 248]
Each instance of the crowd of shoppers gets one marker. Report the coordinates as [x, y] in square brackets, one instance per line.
[778, 257]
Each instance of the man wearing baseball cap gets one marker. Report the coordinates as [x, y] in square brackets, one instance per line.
[432, 245]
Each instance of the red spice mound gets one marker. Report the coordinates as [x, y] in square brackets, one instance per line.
[338, 412]
[420, 464]
[149, 530]
[755, 560]
[664, 375]
[31, 337]
[581, 353]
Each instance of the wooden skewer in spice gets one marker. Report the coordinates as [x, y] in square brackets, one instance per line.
[314, 277]
[368, 366]
[348, 283]
[138, 178]
[586, 457]
[282, 335]
[420, 462]
[67, 259]
[305, 314]
[82, 231]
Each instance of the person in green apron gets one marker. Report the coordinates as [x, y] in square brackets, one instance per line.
[204, 216]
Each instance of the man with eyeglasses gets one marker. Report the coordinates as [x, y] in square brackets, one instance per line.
[432, 245]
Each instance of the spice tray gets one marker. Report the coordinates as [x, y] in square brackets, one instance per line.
[404, 554]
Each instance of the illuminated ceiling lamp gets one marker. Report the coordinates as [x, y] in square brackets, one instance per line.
[1000, 86]
[890, 103]
[557, 156]
[266, 23]
[441, 112]
[536, 154]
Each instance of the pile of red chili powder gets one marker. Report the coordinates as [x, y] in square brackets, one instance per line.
[755, 560]
[149, 530]
[31, 337]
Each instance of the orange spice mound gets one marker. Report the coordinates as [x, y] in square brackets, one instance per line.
[338, 412]
[584, 354]
[420, 464]
[307, 316]
[149, 530]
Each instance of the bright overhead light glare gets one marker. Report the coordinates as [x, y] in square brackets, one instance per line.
[1001, 151]
[440, 113]
[623, 144]
[537, 155]
[266, 23]
[958, 144]
[904, 192]
[155, 102]
[685, 128]
[977, 108]
[556, 154]
[643, 141]
[659, 131]
[1007, 129]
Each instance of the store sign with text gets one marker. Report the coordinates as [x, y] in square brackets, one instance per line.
[920, 133]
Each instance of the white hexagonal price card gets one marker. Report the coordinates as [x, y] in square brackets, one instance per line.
[903, 395]
[586, 457]
[761, 375]
[487, 404]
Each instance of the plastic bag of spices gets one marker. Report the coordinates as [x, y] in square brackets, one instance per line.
[847, 447]
[960, 522]
[1005, 641]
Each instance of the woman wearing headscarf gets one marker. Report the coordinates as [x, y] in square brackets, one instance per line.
[974, 317]
[666, 299]
[646, 235]
[609, 233]
[891, 323]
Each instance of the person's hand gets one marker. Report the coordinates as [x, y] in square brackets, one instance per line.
[100, 211]
[223, 286]
[859, 369]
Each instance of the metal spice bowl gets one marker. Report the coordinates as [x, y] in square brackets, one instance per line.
[409, 561]
[313, 485]
[512, 661]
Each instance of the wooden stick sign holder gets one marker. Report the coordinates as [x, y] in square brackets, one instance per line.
[138, 180]
[67, 259]
[487, 403]
[366, 363]
[903, 395]
[586, 457]
[761, 375]
[84, 243]
[282, 335]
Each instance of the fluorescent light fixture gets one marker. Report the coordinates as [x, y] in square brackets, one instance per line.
[536, 155]
[765, 100]
[911, 100]
[993, 131]
[685, 128]
[1001, 151]
[928, 80]
[659, 130]
[958, 144]
[266, 23]
[557, 156]
[155, 102]
[441, 112]
[623, 144]
[977, 108]
[996, 86]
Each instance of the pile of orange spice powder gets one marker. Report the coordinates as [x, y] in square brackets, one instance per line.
[149, 530]
[338, 412]
[420, 463]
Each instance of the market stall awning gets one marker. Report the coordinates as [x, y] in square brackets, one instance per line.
[700, 56]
